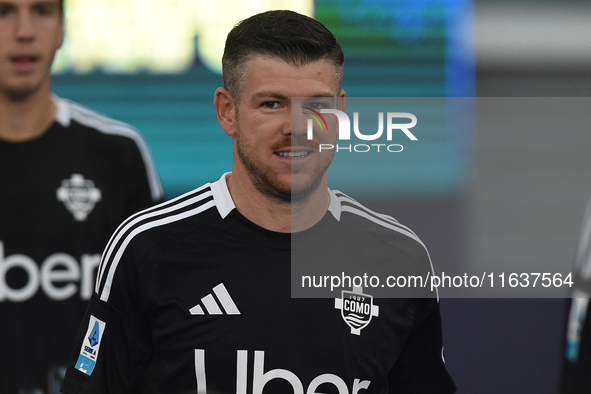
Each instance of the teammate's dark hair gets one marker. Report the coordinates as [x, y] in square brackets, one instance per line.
[62, 7]
[286, 35]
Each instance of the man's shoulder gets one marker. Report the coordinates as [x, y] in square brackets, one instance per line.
[378, 245]
[194, 211]
[197, 211]
[357, 217]
[185, 223]
[106, 139]
[80, 119]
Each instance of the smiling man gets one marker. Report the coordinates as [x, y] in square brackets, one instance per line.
[69, 176]
[276, 167]
[193, 296]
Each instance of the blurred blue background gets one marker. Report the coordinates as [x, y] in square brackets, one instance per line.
[395, 48]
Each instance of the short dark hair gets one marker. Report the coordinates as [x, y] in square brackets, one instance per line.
[286, 35]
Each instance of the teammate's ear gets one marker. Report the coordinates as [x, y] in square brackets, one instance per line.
[61, 38]
[225, 109]
[61, 33]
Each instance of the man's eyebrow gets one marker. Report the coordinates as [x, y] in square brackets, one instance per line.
[282, 97]
[265, 95]
[322, 95]
[45, 3]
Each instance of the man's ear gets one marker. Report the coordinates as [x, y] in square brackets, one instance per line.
[225, 109]
[62, 34]
[341, 100]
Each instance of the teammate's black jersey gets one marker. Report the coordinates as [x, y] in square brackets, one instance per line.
[576, 378]
[61, 197]
[192, 297]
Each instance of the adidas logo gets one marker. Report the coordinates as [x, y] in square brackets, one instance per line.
[212, 306]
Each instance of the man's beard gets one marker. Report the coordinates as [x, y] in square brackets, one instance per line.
[263, 178]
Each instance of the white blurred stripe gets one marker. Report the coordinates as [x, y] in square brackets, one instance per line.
[533, 34]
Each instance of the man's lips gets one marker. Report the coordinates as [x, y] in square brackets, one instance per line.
[294, 152]
[293, 155]
[24, 63]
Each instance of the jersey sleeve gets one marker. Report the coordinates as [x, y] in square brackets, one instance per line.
[420, 368]
[113, 342]
[144, 185]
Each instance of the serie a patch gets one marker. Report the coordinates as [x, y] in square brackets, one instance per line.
[90, 346]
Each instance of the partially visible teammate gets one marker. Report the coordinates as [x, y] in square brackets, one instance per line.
[68, 177]
[193, 295]
[576, 378]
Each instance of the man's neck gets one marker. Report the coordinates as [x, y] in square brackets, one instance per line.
[26, 118]
[271, 214]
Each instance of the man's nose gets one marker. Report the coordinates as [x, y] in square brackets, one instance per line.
[25, 29]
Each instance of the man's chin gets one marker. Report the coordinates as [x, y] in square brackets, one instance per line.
[301, 193]
[291, 195]
[21, 92]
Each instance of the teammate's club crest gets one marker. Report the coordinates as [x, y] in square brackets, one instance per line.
[357, 309]
[79, 195]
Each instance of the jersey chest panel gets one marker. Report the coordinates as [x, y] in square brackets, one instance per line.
[231, 314]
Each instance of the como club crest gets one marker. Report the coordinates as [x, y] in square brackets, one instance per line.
[357, 309]
[79, 195]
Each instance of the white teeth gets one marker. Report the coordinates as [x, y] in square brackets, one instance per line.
[293, 154]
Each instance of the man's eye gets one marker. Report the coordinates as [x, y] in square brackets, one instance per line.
[271, 104]
[45, 9]
[322, 104]
[316, 105]
[5, 9]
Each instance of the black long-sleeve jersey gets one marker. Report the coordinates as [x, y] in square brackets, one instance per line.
[61, 197]
[192, 297]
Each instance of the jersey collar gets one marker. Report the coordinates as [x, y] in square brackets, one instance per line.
[334, 206]
[221, 196]
[62, 113]
[225, 204]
